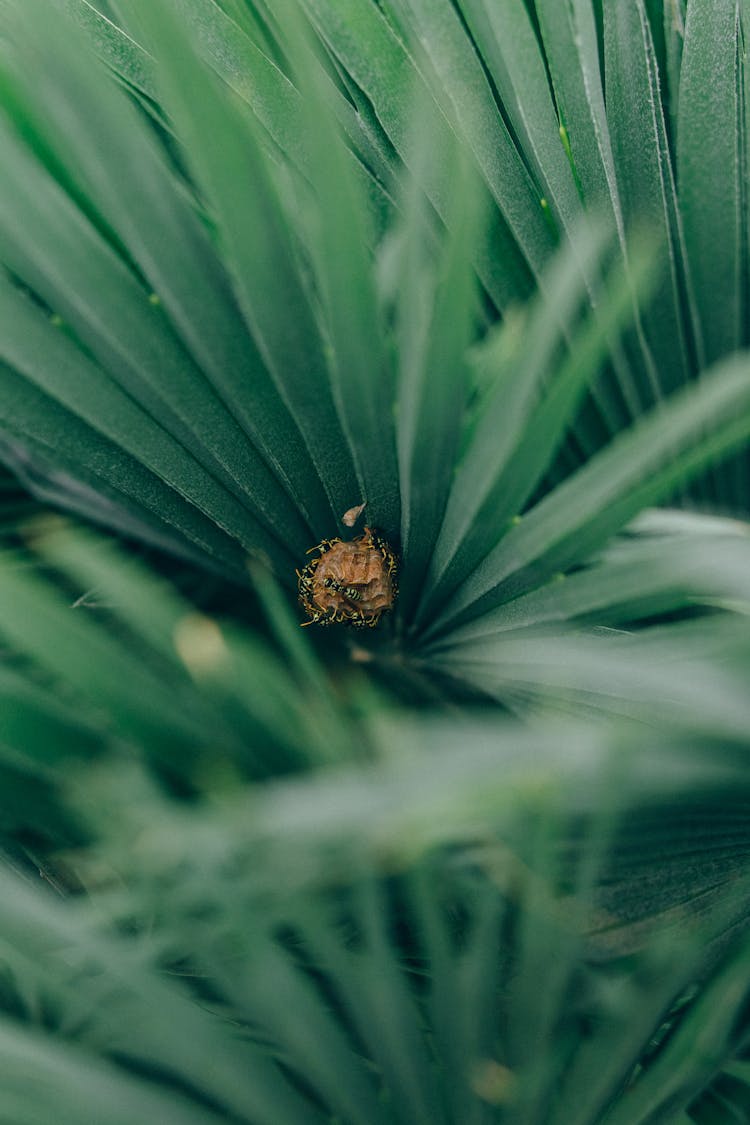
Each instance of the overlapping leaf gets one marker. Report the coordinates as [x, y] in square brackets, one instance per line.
[251, 278]
[241, 364]
[431, 903]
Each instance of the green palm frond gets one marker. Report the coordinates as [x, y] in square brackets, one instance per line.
[230, 358]
[483, 268]
[425, 937]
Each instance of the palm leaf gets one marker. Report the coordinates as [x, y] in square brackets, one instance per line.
[376, 898]
[260, 265]
[264, 430]
[470, 856]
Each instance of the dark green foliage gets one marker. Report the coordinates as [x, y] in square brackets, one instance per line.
[482, 265]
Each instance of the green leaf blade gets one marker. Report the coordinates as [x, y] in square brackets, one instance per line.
[227, 158]
[641, 466]
[710, 145]
[647, 188]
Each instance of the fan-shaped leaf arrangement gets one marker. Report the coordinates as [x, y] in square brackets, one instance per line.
[481, 267]
[542, 925]
[230, 312]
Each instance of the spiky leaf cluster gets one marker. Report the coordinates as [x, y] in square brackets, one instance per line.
[483, 268]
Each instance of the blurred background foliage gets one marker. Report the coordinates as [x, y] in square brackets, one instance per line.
[482, 266]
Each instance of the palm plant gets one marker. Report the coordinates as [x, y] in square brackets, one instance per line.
[481, 267]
